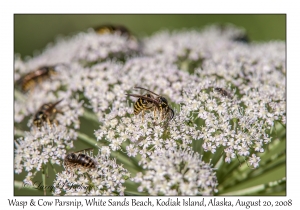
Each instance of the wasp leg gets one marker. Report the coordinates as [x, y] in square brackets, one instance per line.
[48, 122]
[161, 114]
[142, 116]
[55, 121]
[39, 128]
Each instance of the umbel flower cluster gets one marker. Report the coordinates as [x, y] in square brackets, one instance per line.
[227, 95]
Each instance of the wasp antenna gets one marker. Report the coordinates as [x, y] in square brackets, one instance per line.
[146, 90]
[59, 101]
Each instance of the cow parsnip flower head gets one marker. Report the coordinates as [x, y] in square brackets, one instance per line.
[228, 97]
[107, 178]
[39, 147]
[176, 172]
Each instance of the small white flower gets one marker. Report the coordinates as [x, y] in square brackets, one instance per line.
[254, 160]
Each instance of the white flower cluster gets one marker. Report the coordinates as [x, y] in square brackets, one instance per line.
[51, 91]
[177, 172]
[106, 179]
[227, 95]
[38, 148]
[68, 57]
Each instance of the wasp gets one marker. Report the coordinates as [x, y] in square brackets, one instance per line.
[79, 160]
[46, 113]
[150, 102]
[223, 92]
[30, 80]
[114, 29]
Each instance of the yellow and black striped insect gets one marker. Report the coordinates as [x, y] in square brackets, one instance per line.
[150, 102]
[30, 80]
[114, 29]
[223, 92]
[79, 159]
[46, 114]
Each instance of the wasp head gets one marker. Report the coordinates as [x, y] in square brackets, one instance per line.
[71, 157]
[38, 118]
[163, 102]
[48, 70]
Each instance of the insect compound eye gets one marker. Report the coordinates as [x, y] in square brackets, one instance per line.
[44, 69]
[71, 157]
[46, 106]
[163, 101]
[49, 70]
[39, 115]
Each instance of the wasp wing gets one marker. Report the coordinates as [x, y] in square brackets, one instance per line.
[146, 90]
[145, 97]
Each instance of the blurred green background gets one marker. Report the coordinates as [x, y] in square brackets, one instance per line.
[34, 32]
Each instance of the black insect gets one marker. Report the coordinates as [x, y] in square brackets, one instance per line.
[223, 92]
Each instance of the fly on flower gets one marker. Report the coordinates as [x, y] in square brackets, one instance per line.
[223, 92]
[46, 113]
[79, 159]
[148, 101]
[32, 79]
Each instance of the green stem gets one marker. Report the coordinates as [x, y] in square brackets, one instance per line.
[19, 96]
[90, 116]
[18, 132]
[85, 138]
[234, 124]
[19, 185]
[247, 191]
[53, 168]
[130, 193]
[220, 162]
[283, 125]
[44, 180]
